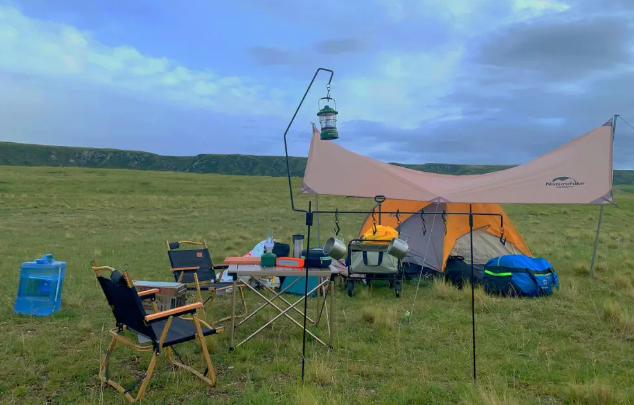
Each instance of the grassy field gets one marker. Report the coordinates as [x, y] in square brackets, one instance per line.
[576, 347]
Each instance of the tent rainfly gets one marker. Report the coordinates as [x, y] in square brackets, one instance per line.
[579, 172]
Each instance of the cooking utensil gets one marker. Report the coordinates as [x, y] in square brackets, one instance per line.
[335, 248]
[398, 248]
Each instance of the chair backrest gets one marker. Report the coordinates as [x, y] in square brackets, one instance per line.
[125, 303]
[199, 257]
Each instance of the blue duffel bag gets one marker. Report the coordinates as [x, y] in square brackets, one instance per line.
[519, 275]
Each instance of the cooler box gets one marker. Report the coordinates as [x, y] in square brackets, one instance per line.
[170, 295]
[40, 289]
[298, 287]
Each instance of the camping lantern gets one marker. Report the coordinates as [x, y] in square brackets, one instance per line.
[328, 118]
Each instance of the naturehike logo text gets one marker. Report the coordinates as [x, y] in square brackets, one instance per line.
[564, 182]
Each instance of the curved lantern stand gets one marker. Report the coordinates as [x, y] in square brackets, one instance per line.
[328, 125]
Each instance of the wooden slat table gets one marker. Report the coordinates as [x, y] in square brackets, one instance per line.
[254, 272]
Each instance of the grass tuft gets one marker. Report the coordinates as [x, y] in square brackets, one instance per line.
[570, 291]
[321, 372]
[581, 269]
[383, 318]
[622, 282]
[489, 396]
[590, 394]
[306, 396]
[619, 319]
[446, 291]
[482, 300]
[601, 268]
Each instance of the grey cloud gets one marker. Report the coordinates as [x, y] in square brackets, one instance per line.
[337, 46]
[272, 56]
[562, 49]
[511, 129]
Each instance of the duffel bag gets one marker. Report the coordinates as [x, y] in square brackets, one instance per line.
[518, 275]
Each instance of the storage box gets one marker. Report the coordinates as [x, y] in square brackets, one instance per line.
[40, 288]
[170, 295]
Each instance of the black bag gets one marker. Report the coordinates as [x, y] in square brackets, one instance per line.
[457, 271]
[281, 249]
[317, 258]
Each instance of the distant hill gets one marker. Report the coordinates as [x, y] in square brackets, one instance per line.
[19, 154]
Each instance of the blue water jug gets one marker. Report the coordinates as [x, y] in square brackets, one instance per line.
[40, 290]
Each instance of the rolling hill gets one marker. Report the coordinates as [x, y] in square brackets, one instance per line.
[18, 154]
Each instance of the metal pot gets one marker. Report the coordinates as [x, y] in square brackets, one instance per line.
[335, 248]
[398, 248]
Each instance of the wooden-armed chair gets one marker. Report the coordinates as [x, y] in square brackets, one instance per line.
[194, 268]
[164, 329]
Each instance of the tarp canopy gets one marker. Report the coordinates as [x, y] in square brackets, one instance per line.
[577, 172]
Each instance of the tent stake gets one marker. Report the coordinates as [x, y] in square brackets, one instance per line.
[596, 243]
[472, 294]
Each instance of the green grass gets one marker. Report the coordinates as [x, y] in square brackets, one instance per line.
[575, 347]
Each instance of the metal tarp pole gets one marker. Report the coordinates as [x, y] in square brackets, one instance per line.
[596, 239]
[596, 243]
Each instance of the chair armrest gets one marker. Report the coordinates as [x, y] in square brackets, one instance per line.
[148, 294]
[186, 309]
[185, 268]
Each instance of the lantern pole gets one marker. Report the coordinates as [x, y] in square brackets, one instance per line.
[288, 168]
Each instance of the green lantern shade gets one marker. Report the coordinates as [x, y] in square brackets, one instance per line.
[328, 122]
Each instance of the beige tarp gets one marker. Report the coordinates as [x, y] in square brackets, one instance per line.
[577, 172]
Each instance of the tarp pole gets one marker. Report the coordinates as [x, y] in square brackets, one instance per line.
[596, 239]
[309, 223]
[596, 243]
[473, 328]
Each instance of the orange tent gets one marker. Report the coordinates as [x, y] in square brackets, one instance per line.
[436, 238]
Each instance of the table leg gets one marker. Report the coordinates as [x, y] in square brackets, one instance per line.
[233, 309]
[331, 320]
[283, 313]
[320, 309]
[278, 296]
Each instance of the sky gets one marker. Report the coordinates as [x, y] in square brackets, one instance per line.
[416, 81]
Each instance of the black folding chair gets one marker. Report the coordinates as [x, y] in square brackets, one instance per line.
[163, 329]
[194, 268]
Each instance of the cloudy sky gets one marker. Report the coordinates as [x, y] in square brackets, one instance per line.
[454, 81]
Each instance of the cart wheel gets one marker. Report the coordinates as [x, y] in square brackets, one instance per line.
[350, 288]
[391, 284]
[398, 293]
[397, 288]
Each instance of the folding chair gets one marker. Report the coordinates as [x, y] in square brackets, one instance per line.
[163, 329]
[194, 268]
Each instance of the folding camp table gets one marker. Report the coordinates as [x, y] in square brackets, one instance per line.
[254, 272]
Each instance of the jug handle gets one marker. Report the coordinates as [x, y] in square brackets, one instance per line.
[47, 258]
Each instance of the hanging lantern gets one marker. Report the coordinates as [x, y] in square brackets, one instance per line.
[328, 118]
